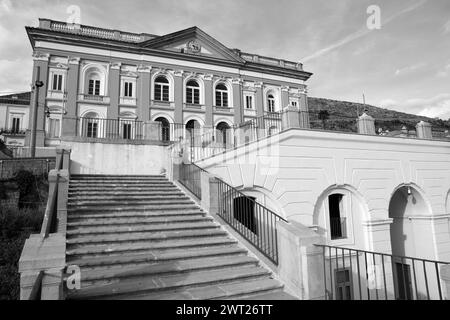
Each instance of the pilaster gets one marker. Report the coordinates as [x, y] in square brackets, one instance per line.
[69, 122]
[143, 93]
[209, 91]
[178, 95]
[237, 100]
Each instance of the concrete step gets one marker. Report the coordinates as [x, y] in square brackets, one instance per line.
[109, 177]
[96, 250]
[219, 291]
[124, 193]
[151, 284]
[92, 230]
[118, 183]
[78, 241]
[158, 256]
[119, 188]
[156, 201]
[90, 277]
[138, 221]
[134, 208]
[167, 196]
[134, 214]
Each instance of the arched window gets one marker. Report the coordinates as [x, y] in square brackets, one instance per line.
[337, 216]
[222, 132]
[221, 95]
[192, 92]
[161, 89]
[193, 132]
[165, 128]
[94, 83]
[270, 103]
[90, 124]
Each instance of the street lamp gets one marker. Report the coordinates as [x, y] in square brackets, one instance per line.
[37, 84]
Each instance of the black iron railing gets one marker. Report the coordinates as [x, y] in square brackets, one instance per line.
[190, 177]
[110, 128]
[352, 274]
[253, 221]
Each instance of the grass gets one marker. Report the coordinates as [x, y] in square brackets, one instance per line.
[16, 225]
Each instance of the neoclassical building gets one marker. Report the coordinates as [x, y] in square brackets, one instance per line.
[185, 78]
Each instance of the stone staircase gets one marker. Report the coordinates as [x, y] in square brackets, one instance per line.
[141, 237]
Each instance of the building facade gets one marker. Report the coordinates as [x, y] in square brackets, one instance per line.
[185, 78]
[14, 118]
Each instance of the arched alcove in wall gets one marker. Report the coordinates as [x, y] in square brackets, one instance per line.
[447, 204]
[338, 215]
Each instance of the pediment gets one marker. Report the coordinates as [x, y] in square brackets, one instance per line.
[193, 41]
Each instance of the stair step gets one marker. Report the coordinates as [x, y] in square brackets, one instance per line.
[168, 267]
[117, 183]
[107, 177]
[158, 256]
[140, 236]
[170, 282]
[99, 202]
[234, 290]
[163, 197]
[146, 245]
[144, 207]
[137, 214]
[137, 221]
[141, 228]
[123, 194]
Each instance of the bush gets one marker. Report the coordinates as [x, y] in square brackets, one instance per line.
[16, 225]
[29, 188]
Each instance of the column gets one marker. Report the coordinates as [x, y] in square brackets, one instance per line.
[114, 90]
[40, 60]
[178, 95]
[366, 124]
[304, 109]
[209, 91]
[259, 99]
[284, 97]
[143, 92]
[69, 119]
[237, 100]
[424, 130]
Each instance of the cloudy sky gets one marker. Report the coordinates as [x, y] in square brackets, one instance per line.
[404, 65]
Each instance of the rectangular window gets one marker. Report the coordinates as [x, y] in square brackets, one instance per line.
[128, 92]
[126, 130]
[94, 87]
[57, 82]
[92, 129]
[249, 102]
[343, 285]
[337, 222]
[15, 125]
[54, 128]
[294, 103]
[221, 98]
[161, 92]
[192, 96]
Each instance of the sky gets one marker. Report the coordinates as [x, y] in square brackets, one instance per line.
[402, 63]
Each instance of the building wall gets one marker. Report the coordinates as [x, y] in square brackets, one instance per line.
[7, 113]
[76, 63]
[299, 168]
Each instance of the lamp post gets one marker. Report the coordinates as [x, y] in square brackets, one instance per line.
[37, 84]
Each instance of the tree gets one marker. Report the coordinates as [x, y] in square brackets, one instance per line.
[323, 116]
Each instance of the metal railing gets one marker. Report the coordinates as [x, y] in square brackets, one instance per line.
[38, 166]
[110, 128]
[190, 177]
[253, 221]
[352, 274]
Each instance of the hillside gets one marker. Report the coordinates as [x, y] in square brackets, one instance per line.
[342, 115]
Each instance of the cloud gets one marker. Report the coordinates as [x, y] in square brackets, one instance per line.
[362, 32]
[5, 7]
[447, 27]
[444, 72]
[437, 106]
[410, 69]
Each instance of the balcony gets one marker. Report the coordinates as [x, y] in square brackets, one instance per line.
[128, 101]
[93, 98]
[56, 95]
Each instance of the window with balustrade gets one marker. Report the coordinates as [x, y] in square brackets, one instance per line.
[162, 88]
[192, 92]
[221, 95]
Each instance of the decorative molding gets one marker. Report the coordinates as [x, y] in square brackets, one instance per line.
[129, 74]
[238, 81]
[178, 73]
[116, 65]
[259, 85]
[376, 223]
[59, 66]
[74, 60]
[285, 89]
[144, 68]
[38, 56]
[208, 77]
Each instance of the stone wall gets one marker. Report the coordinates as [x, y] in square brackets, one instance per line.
[39, 166]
